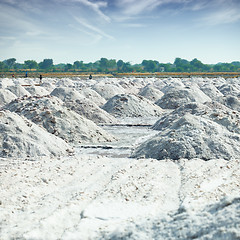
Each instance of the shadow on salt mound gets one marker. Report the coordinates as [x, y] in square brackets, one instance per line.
[18, 90]
[6, 96]
[176, 97]
[171, 83]
[93, 96]
[48, 85]
[214, 111]
[22, 138]
[229, 89]
[191, 137]
[37, 91]
[49, 113]
[211, 91]
[107, 90]
[231, 102]
[6, 82]
[132, 86]
[151, 93]
[216, 221]
[65, 82]
[128, 105]
[78, 103]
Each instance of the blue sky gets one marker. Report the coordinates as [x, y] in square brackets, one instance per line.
[131, 30]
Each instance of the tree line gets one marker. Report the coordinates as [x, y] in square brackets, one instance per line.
[105, 65]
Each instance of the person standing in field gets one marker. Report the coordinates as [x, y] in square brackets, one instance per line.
[90, 76]
[26, 74]
[40, 78]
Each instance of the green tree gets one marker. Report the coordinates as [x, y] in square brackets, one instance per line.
[67, 67]
[196, 65]
[31, 64]
[46, 64]
[182, 65]
[3, 66]
[103, 64]
[10, 62]
[127, 67]
[150, 65]
[112, 64]
[78, 64]
[120, 64]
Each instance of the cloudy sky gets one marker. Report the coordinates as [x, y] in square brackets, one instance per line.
[131, 30]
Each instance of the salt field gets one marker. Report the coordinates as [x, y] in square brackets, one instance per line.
[120, 158]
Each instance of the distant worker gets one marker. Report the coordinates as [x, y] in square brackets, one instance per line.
[26, 74]
[90, 76]
[13, 76]
[40, 78]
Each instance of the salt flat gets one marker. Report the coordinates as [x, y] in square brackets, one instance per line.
[98, 190]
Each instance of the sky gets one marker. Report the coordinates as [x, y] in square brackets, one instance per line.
[130, 30]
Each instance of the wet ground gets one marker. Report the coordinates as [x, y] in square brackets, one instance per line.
[129, 133]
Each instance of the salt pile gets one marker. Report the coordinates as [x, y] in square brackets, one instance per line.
[191, 137]
[6, 96]
[176, 97]
[18, 90]
[101, 193]
[107, 90]
[211, 91]
[78, 103]
[65, 82]
[213, 111]
[229, 89]
[218, 221]
[6, 82]
[231, 102]
[21, 138]
[151, 93]
[132, 86]
[49, 113]
[92, 95]
[129, 105]
[37, 90]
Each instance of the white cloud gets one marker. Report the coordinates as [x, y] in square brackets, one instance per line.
[95, 37]
[92, 28]
[134, 7]
[94, 6]
[134, 25]
[222, 17]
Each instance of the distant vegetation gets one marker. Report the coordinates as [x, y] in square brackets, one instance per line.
[105, 65]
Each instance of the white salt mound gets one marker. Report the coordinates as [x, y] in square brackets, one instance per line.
[92, 95]
[65, 82]
[213, 111]
[6, 82]
[107, 90]
[6, 96]
[37, 91]
[49, 113]
[170, 84]
[176, 97]
[151, 93]
[191, 137]
[231, 102]
[18, 90]
[128, 105]
[229, 89]
[21, 138]
[131, 86]
[218, 221]
[78, 103]
[211, 91]
[67, 94]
